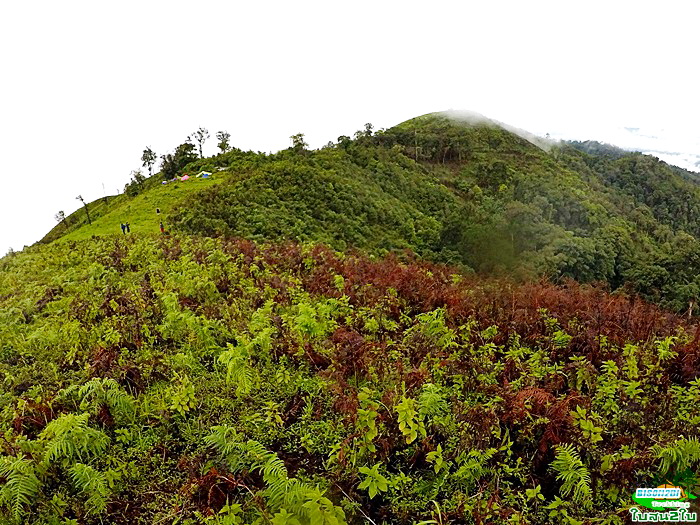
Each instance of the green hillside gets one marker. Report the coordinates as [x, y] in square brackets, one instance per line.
[191, 380]
[473, 195]
[470, 194]
[444, 322]
[140, 211]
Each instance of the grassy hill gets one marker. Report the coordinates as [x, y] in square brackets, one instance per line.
[140, 211]
[385, 330]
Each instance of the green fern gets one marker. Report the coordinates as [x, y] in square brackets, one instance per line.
[21, 485]
[238, 370]
[678, 456]
[313, 322]
[106, 391]
[433, 326]
[573, 473]
[69, 437]
[300, 501]
[431, 401]
[92, 483]
[261, 325]
[473, 465]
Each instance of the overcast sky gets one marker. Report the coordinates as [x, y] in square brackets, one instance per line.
[87, 85]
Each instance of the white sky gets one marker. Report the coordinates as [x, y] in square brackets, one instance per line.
[87, 85]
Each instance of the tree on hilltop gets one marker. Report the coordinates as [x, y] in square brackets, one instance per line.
[223, 137]
[201, 135]
[135, 186]
[298, 143]
[87, 212]
[365, 133]
[60, 218]
[172, 164]
[148, 159]
[344, 141]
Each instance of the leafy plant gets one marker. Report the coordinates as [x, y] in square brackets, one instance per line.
[573, 473]
[92, 483]
[374, 481]
[182, 396]
[21, 486]
[69, 437]
[304, 502]
[410, 425]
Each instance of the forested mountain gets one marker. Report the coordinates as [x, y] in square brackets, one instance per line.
[444, 321]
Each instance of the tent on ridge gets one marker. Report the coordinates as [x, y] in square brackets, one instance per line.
[204, 174]
[186, 177]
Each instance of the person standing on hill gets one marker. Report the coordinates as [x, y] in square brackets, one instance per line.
[128, 230]
[123, 227]
[162, 229]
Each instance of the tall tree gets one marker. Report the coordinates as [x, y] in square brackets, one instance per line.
[148, 159]
[223, 137]
[298, 143]
[366, 133]
[201, 135]
[87, 212]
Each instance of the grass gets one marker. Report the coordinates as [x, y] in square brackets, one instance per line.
[140, 211]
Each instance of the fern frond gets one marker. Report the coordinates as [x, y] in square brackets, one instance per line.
[106, 390]
[238, 371]
[21, 486]
[301, 501]
[224, 439]
[93, 483]
[678, 456]
[69, 436]
[431, 401]
[274, 469]
[573, 473]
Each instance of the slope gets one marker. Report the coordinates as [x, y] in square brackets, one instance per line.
[148, 379]
[139, 210]
[202, 378]
[467, 193]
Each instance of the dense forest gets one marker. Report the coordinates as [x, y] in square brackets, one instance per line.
[442, 322]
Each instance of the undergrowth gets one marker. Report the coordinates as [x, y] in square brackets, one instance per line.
[185, 380]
